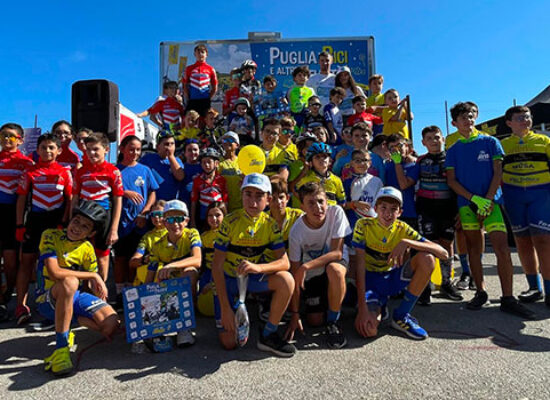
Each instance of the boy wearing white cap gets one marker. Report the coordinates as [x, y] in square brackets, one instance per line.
[239, 249]
[391, 257]
[177, 254]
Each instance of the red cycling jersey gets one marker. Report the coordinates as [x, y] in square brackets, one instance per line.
[12, 166]
[98, 182]
[170, 110]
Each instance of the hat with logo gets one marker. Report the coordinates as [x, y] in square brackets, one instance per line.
[176, 205]
[258, 181]
[391, 193]
[231, 135]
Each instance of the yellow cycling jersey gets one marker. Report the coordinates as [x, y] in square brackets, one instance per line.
[149, 239]
[229, 169]
[207, 239]
[332, 184]
[379, 241]
[74, 255]
[291, 152]
[275, 159]
[526, 161]
[165, 252]
[243, 237]
[452, 138]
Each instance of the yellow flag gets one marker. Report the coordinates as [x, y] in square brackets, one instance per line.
[173, 52]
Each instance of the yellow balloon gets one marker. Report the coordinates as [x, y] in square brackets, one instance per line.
[205, 303]
[251, 159]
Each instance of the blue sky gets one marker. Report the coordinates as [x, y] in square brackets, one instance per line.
[489, 52]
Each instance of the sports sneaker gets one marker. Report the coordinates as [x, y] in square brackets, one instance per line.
[185, 339]
[425, 298]
[449, 291]
[480, 298]
[472, 285]
[464, 282]
[511, 305]
[45, 325]
[335, 336]
[22, 314]
[409, 326]
[59, 362]
[70, 340]
[276, 345]
[530, 296]
[159, 344]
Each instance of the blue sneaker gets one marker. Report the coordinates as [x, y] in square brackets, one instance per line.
[409, 326]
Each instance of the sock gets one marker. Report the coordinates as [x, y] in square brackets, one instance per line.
[61, 339]
[332, 316]
[533, 281]
[269, 328]
[119, 287]
[464, 263]
[547, 287]
[407, 304]
[446, 270]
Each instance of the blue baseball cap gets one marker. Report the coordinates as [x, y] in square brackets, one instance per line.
[258, 181]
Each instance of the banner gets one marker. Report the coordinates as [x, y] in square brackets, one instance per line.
[156, 309]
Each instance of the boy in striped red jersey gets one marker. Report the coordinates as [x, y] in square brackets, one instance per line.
[12, 165]
[43, 200]
[100, 181]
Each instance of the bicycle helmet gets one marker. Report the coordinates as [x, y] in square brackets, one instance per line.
[317, 148]
[306, 136]
[242, 100]
[249, 64]
[92, 210]
[209, 152]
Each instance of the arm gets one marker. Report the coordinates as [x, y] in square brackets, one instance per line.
[404, 181]
[175, 167]
[20, 209]
[141, 219]
[57, 273]
[335, 254]
[456, 186]
[497, 178]
[136, 260]
[143, 114]
[366, 321]
[294, 183]
[280, 263]
[112, 237]
[294, 307]
[227, 314]
[397, 254]
[192, 261]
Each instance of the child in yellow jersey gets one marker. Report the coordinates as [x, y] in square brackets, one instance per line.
[275, 158]
[177, 254]
[229, 169]
[285, 139]
[239, 249]
[391, 256]
[140, 259]
[318, 161]
[66, 265]
[215, 214]
[190, 128]
[395, 114]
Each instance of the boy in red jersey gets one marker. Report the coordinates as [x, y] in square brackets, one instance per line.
[200, 82]
[167, 112]
[48, 184]
[101, 182]
[12, 165]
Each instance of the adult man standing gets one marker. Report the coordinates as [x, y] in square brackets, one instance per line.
[323, 81]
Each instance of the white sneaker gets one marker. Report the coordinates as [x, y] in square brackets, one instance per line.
[185, 339]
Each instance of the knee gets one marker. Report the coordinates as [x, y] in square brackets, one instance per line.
[69, 285]
[424, 262]
[283, 281]
[336, 272]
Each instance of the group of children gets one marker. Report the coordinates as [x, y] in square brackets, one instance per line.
[368, 219]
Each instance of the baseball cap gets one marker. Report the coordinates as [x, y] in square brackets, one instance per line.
[390, 192]
[258, 181]
[176, 205]
[344, 68]
[232, 135]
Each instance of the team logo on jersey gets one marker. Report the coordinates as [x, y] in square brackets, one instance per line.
[250, 231]
[483, 156]
[139, 182]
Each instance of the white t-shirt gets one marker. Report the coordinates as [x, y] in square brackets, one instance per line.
[322, 85]
[365, 188]
[347, 105]
[307, 244]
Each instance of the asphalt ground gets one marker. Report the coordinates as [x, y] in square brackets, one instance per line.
[470, 355]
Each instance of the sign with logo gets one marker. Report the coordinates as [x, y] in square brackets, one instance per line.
[156, 309]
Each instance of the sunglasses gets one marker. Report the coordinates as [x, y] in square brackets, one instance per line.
[229, 140]
[288, 131]
[156, 214]
[175, 220]
[315, 105]
[9, 136]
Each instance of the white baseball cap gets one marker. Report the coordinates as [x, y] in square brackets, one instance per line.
[176, 205]
[232, 135]
[258, 181]
[390, 192]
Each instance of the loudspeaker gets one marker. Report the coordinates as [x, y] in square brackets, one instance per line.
[95, 106]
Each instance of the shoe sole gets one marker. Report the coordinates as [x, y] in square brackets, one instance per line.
[268, 349]
[406, 332]
[338, 345]
[36, 327]
[451, 297]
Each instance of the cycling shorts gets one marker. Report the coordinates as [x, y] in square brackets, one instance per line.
[528, 210]
[84, 305]
[493, 223]
[379, 286]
